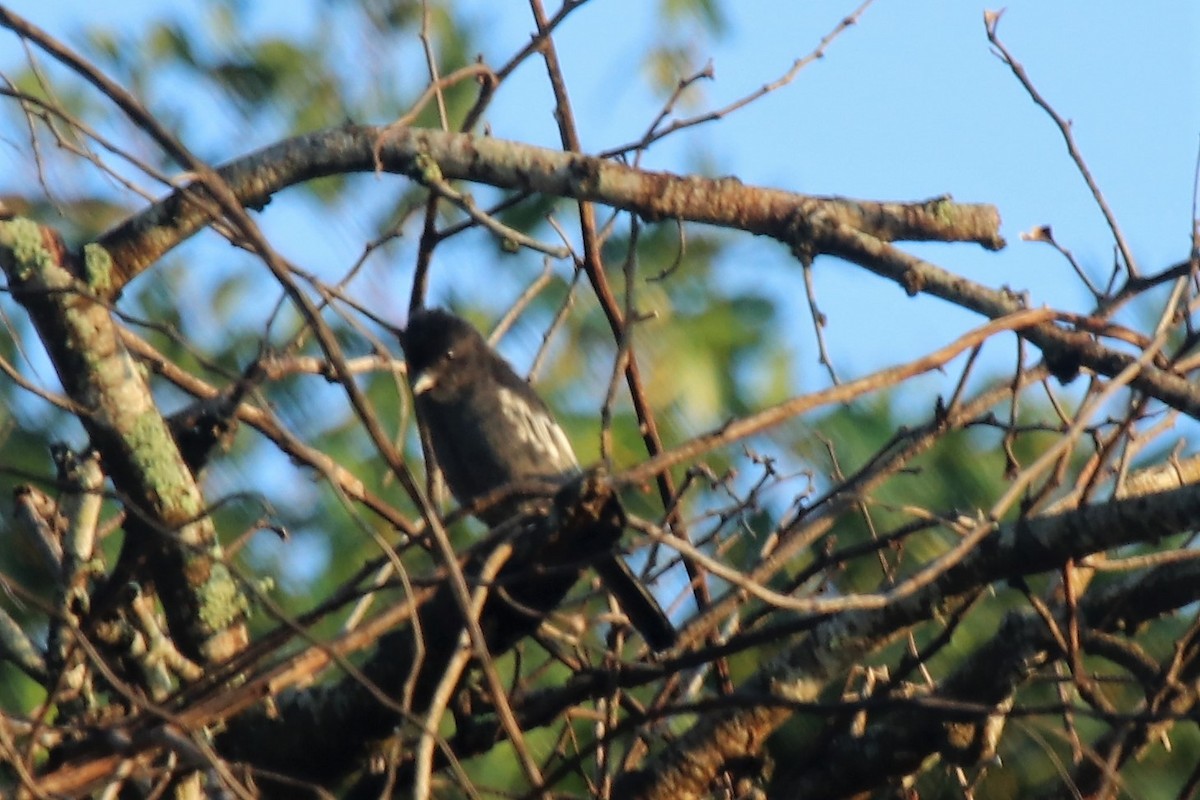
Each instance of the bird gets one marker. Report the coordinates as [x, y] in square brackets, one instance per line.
[489, 429]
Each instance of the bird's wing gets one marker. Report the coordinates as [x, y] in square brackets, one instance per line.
[538, 434]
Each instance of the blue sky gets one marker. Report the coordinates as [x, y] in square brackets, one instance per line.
[909, 104]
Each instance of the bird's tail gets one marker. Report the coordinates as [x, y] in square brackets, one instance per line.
[637, 603]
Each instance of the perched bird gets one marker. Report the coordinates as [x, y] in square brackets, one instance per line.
[489, 429]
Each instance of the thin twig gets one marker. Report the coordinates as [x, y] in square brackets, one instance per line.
[736, 430]
[991, 20]
[653, 135]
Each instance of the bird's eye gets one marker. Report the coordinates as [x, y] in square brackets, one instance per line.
[449, 355]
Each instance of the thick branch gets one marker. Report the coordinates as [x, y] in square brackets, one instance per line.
[901, 741]
[1025, 547]
[858, 231]
[1066, 350]
[139, 242]
[203, 603]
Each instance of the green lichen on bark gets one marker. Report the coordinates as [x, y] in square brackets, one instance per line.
[154, 453]
[426, 169]
[98, 269]
[223, 603]
[30, 254]
[942, 209]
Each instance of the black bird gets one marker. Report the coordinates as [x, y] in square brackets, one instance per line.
[489, 429]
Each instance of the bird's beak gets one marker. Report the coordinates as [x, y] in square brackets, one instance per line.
[423, 383]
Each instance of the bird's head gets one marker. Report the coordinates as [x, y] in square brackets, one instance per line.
[442, 352]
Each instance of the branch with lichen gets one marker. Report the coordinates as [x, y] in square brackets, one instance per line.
[166, 520]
